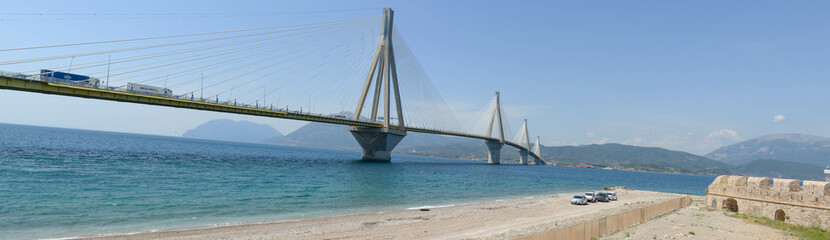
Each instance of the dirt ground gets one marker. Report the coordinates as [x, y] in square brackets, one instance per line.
[699, 222]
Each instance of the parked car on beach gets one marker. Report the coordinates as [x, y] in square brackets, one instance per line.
[601, 197]
[590, 196]
[579, 200]
[612, 196]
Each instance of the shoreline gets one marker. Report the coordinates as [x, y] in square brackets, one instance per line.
[511, 218]
[278, 221]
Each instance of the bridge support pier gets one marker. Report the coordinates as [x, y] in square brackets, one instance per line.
[494, 151]
[523, 157]
[377, 143]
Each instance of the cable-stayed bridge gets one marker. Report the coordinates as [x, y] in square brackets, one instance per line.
[310, 72]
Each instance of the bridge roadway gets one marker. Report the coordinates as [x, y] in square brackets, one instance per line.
[28, 85]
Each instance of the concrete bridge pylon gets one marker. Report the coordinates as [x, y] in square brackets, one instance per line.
[524, 142]
[537, 150]
[377, 143]
[494, 147]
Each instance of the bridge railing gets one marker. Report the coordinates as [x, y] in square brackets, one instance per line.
[20, 76]
[37, 77]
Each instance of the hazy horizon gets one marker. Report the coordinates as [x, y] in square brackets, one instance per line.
[287, 133]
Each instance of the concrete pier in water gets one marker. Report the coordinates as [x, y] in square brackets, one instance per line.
[494, 151]
[377, 143]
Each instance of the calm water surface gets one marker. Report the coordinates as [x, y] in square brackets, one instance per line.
[57, 183]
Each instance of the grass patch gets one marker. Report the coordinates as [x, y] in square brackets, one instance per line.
[801, 232]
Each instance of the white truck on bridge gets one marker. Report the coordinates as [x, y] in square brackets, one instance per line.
[149, 90]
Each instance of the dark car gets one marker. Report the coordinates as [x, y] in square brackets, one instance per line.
[601, 197]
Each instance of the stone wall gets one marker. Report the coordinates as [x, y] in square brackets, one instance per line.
[793, 201]
[607, 225]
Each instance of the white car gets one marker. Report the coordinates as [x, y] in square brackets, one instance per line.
[612, 196]
[579, 200]
[590, 196]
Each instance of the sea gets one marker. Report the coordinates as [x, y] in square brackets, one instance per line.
[65, 183]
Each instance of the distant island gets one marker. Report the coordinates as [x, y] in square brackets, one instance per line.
[233, 131]
[334, 136]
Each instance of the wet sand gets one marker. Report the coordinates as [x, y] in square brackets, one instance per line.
[507, 219]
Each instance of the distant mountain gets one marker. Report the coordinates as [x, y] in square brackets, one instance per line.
[466, 149]
[621, 156]
[781, 169]
[800, 148]
[326, 135]
[613, 155]
[322, 135]
[234, 131]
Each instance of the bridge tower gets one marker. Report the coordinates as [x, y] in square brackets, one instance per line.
[537, 149]
[494, 147]
[524, 142]
[377, 143]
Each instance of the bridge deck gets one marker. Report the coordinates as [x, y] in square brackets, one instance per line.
[28, 85]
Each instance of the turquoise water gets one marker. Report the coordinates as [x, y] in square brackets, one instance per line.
[58, 183]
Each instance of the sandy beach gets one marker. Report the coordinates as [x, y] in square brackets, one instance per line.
[507, 219]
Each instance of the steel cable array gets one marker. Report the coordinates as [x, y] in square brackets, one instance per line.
[314, 68]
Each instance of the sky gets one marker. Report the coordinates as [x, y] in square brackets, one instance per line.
[683, 75]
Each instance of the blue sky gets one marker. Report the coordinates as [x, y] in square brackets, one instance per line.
[690, 76]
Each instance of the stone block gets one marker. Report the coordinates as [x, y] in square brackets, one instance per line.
[757, 183]
[721, 180]
[818, 188]
[737, 181]
[786, 185]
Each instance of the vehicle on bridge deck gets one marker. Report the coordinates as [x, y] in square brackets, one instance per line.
[149, 90]
[68, 78]
[579, 200]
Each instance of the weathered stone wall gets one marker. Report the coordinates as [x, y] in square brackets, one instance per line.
[804, 203]
[596, 228]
